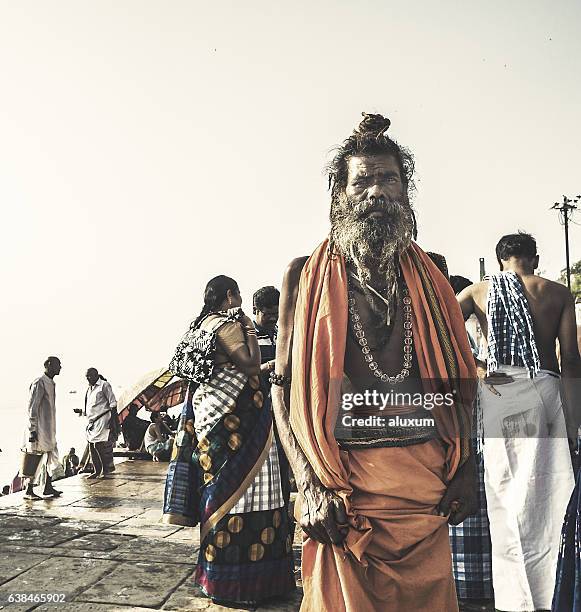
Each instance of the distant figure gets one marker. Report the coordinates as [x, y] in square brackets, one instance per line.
[158, 438]
[134, 428]
[265, 309]
[40, 448]
[6, 490]
[528, 472]
[71, 463]
[168, 421]
[100, 410]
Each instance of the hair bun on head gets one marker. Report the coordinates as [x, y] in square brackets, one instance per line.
[373, 125]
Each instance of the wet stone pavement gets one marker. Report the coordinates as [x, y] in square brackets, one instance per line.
[102, 545]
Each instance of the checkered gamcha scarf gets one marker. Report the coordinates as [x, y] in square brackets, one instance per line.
[511, 339]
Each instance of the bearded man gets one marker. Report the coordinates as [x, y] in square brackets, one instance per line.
[369, 314]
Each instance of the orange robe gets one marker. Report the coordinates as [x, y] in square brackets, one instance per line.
[396, 555]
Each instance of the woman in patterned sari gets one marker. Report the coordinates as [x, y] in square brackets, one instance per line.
[225, 472]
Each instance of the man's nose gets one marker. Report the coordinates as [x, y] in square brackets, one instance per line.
[376, 191]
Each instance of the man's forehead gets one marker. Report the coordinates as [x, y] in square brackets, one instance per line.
[269, 309]
[367, 164]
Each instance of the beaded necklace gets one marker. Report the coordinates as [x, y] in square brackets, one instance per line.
[364, 344]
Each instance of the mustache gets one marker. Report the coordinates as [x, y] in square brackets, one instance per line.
[381, 205]
[345, 209]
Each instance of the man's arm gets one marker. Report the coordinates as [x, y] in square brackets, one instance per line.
[108, 391]
[467, 305]
[570, 368]
[322, 512]
[466, 300]
[36, 392]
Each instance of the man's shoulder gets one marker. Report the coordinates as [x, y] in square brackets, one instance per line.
[477, 291]
[552, 288]
[553, 285]
[480, 286]
[39, 382]
[293, 271]
[297, 264]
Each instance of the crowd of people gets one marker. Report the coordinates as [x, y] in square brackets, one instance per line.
[404, 505]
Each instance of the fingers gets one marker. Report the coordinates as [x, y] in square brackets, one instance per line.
[316, 534]
[443, 508]
[341, 518]
[335, 520]
[462, 513]
[317, 531]
[332, 531]
[313, 526]
[328, 524]
[340, 512]
[461, 509]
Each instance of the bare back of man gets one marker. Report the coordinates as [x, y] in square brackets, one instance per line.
[552, 309]
[549, 304]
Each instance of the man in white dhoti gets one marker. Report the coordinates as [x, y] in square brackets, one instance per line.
[525, 423]
[39, 446]
[100, 405]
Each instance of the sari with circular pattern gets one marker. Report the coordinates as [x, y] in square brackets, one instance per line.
[224, 474]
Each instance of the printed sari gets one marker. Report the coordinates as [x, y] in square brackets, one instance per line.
[225, 475]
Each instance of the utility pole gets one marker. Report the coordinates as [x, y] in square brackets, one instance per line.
[482, 269]
[565, 211]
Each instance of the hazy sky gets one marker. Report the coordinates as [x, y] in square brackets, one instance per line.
[148, 146]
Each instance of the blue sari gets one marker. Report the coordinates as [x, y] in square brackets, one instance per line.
[567, 597]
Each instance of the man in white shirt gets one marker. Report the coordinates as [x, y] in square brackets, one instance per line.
[40, 447]
[100, 408]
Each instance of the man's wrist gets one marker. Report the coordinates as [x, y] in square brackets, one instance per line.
[306, 480]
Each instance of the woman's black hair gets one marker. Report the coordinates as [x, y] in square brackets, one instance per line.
[215, 294]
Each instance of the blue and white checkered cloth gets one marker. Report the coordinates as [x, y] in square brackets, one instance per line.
[511, 339]
[472, 550]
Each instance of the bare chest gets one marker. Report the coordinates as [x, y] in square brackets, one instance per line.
[372, 354]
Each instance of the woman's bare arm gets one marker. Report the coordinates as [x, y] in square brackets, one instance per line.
[247, 357]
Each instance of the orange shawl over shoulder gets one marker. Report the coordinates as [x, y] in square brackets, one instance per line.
[319, 339]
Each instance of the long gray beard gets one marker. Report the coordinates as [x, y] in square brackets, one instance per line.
[373, 244]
